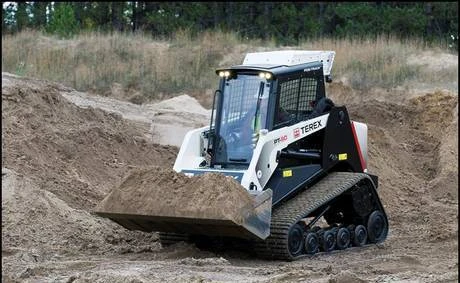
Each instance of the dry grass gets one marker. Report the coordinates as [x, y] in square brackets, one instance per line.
[381, 62]
[139, 63]
[95, 62]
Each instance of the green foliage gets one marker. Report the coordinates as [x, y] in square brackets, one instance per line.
[63, 22]
[162, 22]
[367, 19]
[286, 23]
[309, 26]
[39, 12]
[22, 20]
[445, 17]
[284, 27]
[355, 19]
[404, 21]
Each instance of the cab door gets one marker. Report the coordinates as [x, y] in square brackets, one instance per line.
[296, 96]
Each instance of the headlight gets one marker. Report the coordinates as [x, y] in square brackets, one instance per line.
[265, 76]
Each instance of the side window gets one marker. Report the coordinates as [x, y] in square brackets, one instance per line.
[307, 94]
[289, 95]
[296, 99]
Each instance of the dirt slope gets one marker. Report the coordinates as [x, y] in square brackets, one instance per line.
[78, 154]
[165, 122]
[60, 159]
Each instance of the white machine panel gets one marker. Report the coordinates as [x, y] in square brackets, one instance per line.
[292, 57]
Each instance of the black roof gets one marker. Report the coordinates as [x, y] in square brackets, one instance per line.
[274, 69]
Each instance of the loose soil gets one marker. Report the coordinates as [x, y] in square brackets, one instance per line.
[164, 192]
[61, 158]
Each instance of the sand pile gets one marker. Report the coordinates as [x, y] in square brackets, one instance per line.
[412, 150]
[414, 141]
[440, 120]
[36, 222]
[58, 162]
[183, 103]
[165, 122]
[78, 154]
[164, 192]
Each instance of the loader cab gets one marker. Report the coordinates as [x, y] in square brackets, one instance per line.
[251, 98]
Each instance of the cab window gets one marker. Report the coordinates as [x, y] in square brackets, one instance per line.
[295, 100]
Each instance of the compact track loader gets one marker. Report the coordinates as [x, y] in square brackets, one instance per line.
[299, 157]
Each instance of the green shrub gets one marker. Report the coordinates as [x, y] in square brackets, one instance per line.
[63, 22]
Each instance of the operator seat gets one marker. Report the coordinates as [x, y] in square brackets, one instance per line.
[322, 106]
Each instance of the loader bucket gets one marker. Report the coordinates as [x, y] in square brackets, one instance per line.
[210, 204]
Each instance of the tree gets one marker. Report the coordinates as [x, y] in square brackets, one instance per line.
[405, 22]
[286, 22]
[4, 15]
[39, 12]
[22, 18]
[100, 14]
[117, 16]
[63, 21]
[356, 19]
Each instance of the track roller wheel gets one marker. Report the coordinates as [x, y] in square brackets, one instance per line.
[295, 240]
[343, 238]
[327, 240]
[377, 227]
[333, 229]
[359, 236]
[311, 243]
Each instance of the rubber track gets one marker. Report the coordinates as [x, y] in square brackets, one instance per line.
[293, 210]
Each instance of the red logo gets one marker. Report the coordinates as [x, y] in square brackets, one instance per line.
[280, 139]
[296, 133]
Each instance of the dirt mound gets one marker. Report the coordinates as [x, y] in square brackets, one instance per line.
[36, 221]
[61, 160]
[165, 122]
[410, 133]
[58, 162]
[412, 149]
[446, 181]
[78, 154]
[164, 192]
[177, 104]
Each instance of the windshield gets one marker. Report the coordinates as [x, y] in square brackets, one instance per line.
[243, 114]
